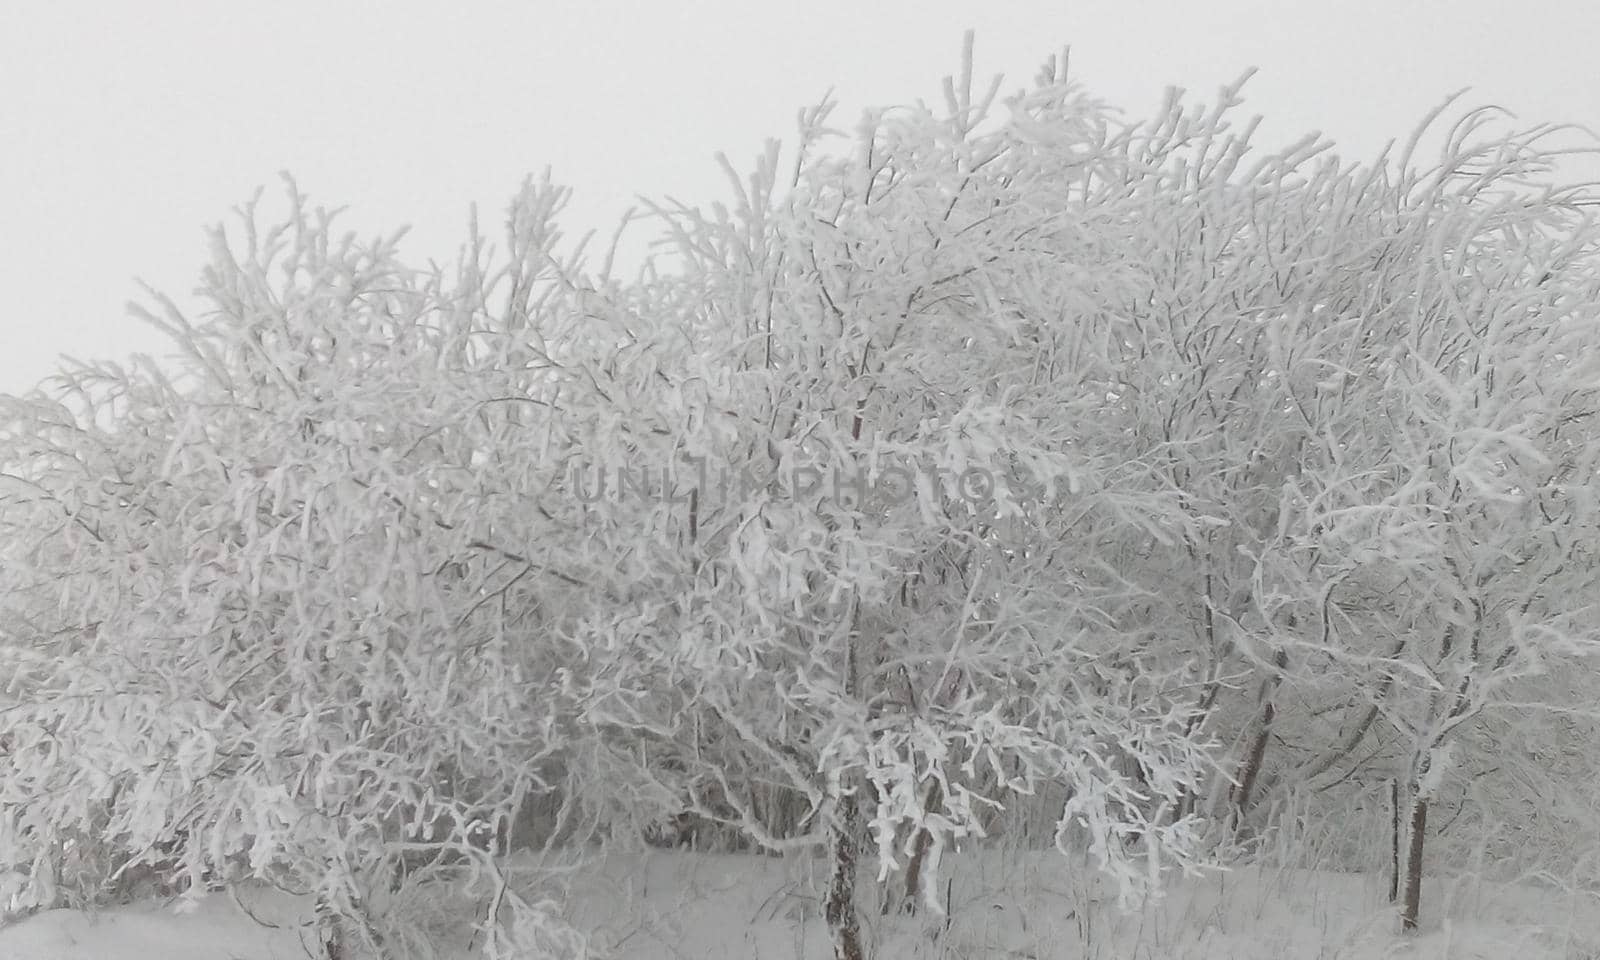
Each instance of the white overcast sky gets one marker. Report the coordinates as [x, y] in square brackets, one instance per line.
[126, 128]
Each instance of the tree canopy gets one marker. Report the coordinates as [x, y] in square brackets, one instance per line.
[1004, 468]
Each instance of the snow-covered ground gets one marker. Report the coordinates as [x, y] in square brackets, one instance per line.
[678, 905]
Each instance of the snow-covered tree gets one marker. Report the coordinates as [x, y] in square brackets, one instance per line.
[258, 616]
[1434, 541]
[1001, 463]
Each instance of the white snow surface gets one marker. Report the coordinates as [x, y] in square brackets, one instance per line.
[676, 905]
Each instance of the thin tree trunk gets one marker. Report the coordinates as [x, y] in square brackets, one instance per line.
[1202, 711]
[1419, 835]
[840, 908]
[1252, 768]
[919, 853]
[1258, 746]
[1394, 840]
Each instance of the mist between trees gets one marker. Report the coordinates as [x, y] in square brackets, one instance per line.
[320, 603]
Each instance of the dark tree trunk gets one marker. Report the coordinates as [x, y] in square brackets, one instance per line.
[840, 907]
[1394, 840]
[1207, 701]
[1258, 745]
[919, 853]
[1419, 835]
